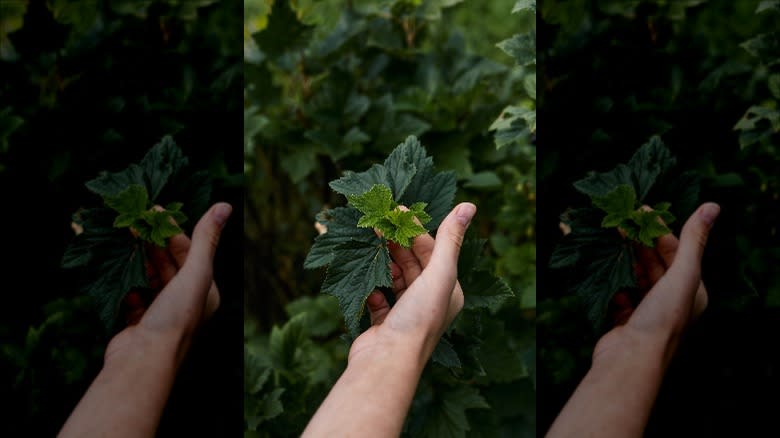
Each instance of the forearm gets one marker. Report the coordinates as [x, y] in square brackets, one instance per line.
[617, 395]
[128, 396]
[372, 396]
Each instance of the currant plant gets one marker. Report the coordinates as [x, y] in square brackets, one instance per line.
[110, 245]
[349, 82]
[598, 249]
[358, 259]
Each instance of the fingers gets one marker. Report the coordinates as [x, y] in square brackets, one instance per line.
[623, 308]
[378, 307]
[191, 294]
[693, 239]
[135, 307]
[399, 282]
[652, 265]
[666, 246]
[163, 262]
[679, 294]
[443, 264]
[407, 263]
[205, 238]
[423, 248]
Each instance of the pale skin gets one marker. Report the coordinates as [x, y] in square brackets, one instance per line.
[129, 394]
[629, 362]
[373, 395]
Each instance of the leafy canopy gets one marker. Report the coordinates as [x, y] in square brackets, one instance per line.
[110, 247]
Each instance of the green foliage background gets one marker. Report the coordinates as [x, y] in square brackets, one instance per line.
[335, 85]
[87, 86]
[702, 74]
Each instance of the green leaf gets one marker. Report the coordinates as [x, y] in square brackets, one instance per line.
[259, 410]
[524, 5]
[114, 258]
[132, 201]
[285, 342]
[374, 204]
[521, 47]
[356, 270]
[619, 204]
[600, 262]
[481, 288]
[282, 21]
[648, 164]
[341, 224]
[650, 227]
[765, 47]
[447, 415]
[324, 318]
[160, 164]
[381, 212]
[445, 355]
[768, 5]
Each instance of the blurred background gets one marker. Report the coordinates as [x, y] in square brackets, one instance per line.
[87, 86]
[705, 75]
[335, 85]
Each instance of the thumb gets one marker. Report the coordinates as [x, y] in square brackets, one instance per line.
[205, 238]
[693, 239]
[449, 239]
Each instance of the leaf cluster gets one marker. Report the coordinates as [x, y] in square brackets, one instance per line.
[109, 246]
[358, 260]
[600, 260]
[383, 214]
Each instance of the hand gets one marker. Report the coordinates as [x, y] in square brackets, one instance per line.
[428, 295]
[178, 309]
[677, 295]
[373, 395]
[130, 392]
[162, 266]
[616, 396]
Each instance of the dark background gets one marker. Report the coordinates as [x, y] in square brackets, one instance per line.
[611, 75]
[96, 84]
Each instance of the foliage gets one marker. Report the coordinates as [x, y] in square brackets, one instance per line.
[116, 257]
[335, 85]
[381, 212]
[612, 75]
[85, 86]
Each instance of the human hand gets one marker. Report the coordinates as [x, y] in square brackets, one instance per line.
[672, 273]
[428, 295]
[183, 272]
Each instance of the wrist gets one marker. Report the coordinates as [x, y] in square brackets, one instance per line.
[138, 347]
[649, 352]
[403, 351]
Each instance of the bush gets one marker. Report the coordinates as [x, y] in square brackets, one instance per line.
[336, 85]
[615, 73]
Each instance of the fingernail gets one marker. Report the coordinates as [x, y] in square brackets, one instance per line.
[465, 213]
[709, 212]
[222, 213]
